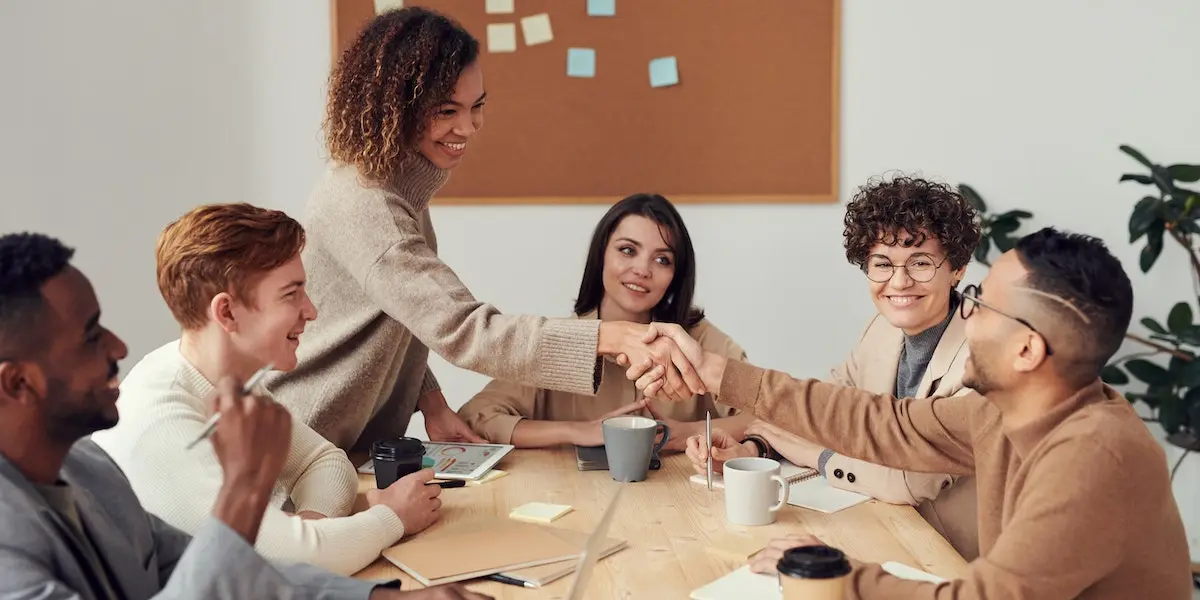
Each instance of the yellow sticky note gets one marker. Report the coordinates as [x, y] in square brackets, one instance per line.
[492, 475]
[499, 7]
[502, 37]
[539, 512]
[384, 5]
[537, 29]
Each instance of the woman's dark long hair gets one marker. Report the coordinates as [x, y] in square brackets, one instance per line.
[676, 304]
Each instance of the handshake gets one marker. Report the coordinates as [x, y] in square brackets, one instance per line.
[663, 360]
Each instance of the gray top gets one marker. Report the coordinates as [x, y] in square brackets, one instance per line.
[918, 351]
[142, 556]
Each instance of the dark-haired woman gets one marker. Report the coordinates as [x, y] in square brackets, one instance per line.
[405, 101]
[640, 267]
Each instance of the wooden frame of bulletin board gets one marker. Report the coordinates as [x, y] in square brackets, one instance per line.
[753, 119]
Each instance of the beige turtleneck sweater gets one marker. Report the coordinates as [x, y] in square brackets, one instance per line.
[384, 299]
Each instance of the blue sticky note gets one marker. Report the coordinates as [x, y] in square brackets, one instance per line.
[581, 62]
[664, 71]
[602, 8]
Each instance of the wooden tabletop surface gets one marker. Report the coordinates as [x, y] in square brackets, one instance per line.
[670, 524]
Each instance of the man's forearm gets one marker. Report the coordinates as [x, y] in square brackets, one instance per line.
[712, 371]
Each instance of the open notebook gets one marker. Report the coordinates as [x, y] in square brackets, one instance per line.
[807, 489]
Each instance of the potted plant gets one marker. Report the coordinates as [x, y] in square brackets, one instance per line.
[1172, 392]
[996, 229]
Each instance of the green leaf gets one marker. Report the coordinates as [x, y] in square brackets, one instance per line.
[1018, 214]
[1191, 401]
[1113, 375]
[973, 197]
[1170, 339]
[1180, 318]
[1191, 335]
[1005, 225]
[1148, 372]
[1186, 173]
[1152, 325]
[1189, 225]
[1175, 365]
[1189, 374]
[1154, 246]
[1146, 179]
[981, 251]
[1144, 214]
[1136, 155]
[1137, 397]
[1003, 243]
[1163, 180]
[1172, 414]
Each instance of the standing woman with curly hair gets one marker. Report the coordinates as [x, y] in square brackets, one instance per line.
[912, 239]
[404, 102]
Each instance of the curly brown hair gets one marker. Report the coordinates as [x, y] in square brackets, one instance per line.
[387, 86]
[883, 207]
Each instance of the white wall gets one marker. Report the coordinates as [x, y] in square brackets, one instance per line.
[114, 120]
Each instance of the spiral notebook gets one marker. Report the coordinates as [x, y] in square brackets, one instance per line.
[807, 489]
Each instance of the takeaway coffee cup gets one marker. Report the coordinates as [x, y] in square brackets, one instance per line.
[754, 490]
[629, 445]
[394, 458]
[813, 573]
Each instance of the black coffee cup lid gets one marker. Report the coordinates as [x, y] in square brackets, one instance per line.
[393, 448]
[814, 562]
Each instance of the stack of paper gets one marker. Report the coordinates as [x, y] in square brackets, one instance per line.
[741, 584]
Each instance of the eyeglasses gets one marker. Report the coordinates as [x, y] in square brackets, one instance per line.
[970, 296]
[920, 268]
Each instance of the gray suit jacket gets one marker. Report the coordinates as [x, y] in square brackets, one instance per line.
[146, 557]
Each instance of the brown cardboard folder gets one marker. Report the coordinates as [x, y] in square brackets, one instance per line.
[483, 547]
[544, 574]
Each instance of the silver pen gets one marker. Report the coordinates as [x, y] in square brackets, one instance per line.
[246, 389]
[708, 435]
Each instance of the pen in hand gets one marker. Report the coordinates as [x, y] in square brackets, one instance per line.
[246, 389]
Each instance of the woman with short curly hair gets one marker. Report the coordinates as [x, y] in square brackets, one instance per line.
[405, 101]
[912, 238]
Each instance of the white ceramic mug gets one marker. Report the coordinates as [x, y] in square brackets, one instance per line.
[754, 491]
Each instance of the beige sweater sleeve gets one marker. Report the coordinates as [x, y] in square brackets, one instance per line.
[386, 251]
[1042, 554]
[495, 411]
[917, 435]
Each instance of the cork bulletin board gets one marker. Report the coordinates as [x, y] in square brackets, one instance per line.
[753, 118]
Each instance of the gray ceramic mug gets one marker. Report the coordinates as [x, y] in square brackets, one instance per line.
[629, 445]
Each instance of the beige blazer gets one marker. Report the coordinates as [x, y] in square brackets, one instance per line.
[494, 412]
[946, 502]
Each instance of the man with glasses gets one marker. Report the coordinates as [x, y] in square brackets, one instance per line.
[1074, 496]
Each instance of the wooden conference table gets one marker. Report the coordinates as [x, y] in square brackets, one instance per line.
[670, 524]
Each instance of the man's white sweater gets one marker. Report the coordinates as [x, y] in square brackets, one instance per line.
[164, 405]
